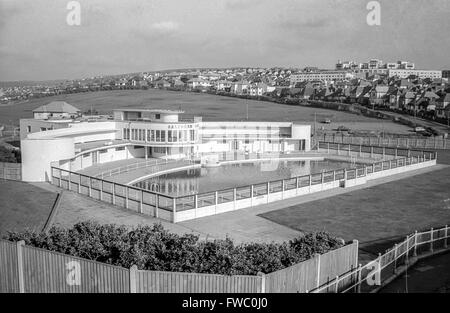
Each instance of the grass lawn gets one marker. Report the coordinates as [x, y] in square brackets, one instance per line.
[23, 206]
[210, 107]
[384, 211]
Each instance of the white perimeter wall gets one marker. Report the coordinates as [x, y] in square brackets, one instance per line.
[38, 154]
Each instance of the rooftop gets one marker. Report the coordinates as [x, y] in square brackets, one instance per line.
[57, 107]
[150, 110]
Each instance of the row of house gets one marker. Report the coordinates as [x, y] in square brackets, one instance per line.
[426, 97]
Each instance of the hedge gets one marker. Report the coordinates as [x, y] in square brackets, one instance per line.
[154, 248]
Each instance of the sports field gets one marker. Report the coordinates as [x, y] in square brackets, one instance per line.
[383, 211]
[210, 107]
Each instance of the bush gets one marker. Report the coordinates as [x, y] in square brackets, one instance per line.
[154, 248]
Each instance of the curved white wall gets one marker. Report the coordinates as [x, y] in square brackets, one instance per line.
[37, 154]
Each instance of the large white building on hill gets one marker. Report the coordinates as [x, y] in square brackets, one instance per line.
[149, 133]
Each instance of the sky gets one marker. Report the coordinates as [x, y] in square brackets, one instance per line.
[124, 36]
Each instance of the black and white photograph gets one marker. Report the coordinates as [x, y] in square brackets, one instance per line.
[225, 152]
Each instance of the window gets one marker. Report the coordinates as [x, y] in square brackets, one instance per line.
[158, 136]
[43, 129]
[161, 150]
[163, 136]
[192, 135]
[120, 148]
[148, 135]
[29, 128]
[152, 138]
[175, 135]
[86, 155]
[169, 135]
[157, 116]
[103, 151]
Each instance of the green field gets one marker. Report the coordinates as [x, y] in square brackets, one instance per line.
[210, 107]
[383, 211]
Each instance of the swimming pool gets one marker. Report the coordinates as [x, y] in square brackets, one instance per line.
[200, 180]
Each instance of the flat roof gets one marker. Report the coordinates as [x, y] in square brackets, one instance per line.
[151, 110]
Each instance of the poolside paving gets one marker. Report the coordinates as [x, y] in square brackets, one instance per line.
[75, 208]
[104, 167]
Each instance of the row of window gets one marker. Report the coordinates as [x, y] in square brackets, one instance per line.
[158, 135]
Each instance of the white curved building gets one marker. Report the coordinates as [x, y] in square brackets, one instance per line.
[150, 133]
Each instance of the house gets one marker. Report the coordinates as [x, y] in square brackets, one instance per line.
[56, 109]
[162, 84]
[406, 100]
[260, 89]
[223, 85]
[378, 94]
[198, 83]
[240, 87]
[393, 97]
[442, 106]
[178, 83]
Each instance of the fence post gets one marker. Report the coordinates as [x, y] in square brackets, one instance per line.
[431, 240]
[446, 235]
[79, 183]
[336, 285]
[415, 244]
[174, 210]
[318, 272]
[407, 250]
[395, 258]
[156, 212]
[101, 189]
[141, 202]
[263, 281]
[19, 246]
[70, 181]
[358, 286]
[90, 186]
[133, 280]
[113, 193]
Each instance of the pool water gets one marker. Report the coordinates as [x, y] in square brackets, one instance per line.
[201, 180]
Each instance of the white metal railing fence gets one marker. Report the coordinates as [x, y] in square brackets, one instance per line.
[406, 142]
[139, 165]
[371, 273]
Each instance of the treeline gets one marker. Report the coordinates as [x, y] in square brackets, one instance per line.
[155, 248]
[9, 156]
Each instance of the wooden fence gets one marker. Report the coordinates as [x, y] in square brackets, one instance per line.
[11, 171]
[403, 142]
[370, 276]
[315, 272]
[28, 269]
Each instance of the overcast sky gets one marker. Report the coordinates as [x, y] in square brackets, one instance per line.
[121, 36]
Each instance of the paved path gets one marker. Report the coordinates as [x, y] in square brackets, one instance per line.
[428, 275]
[76, 208]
